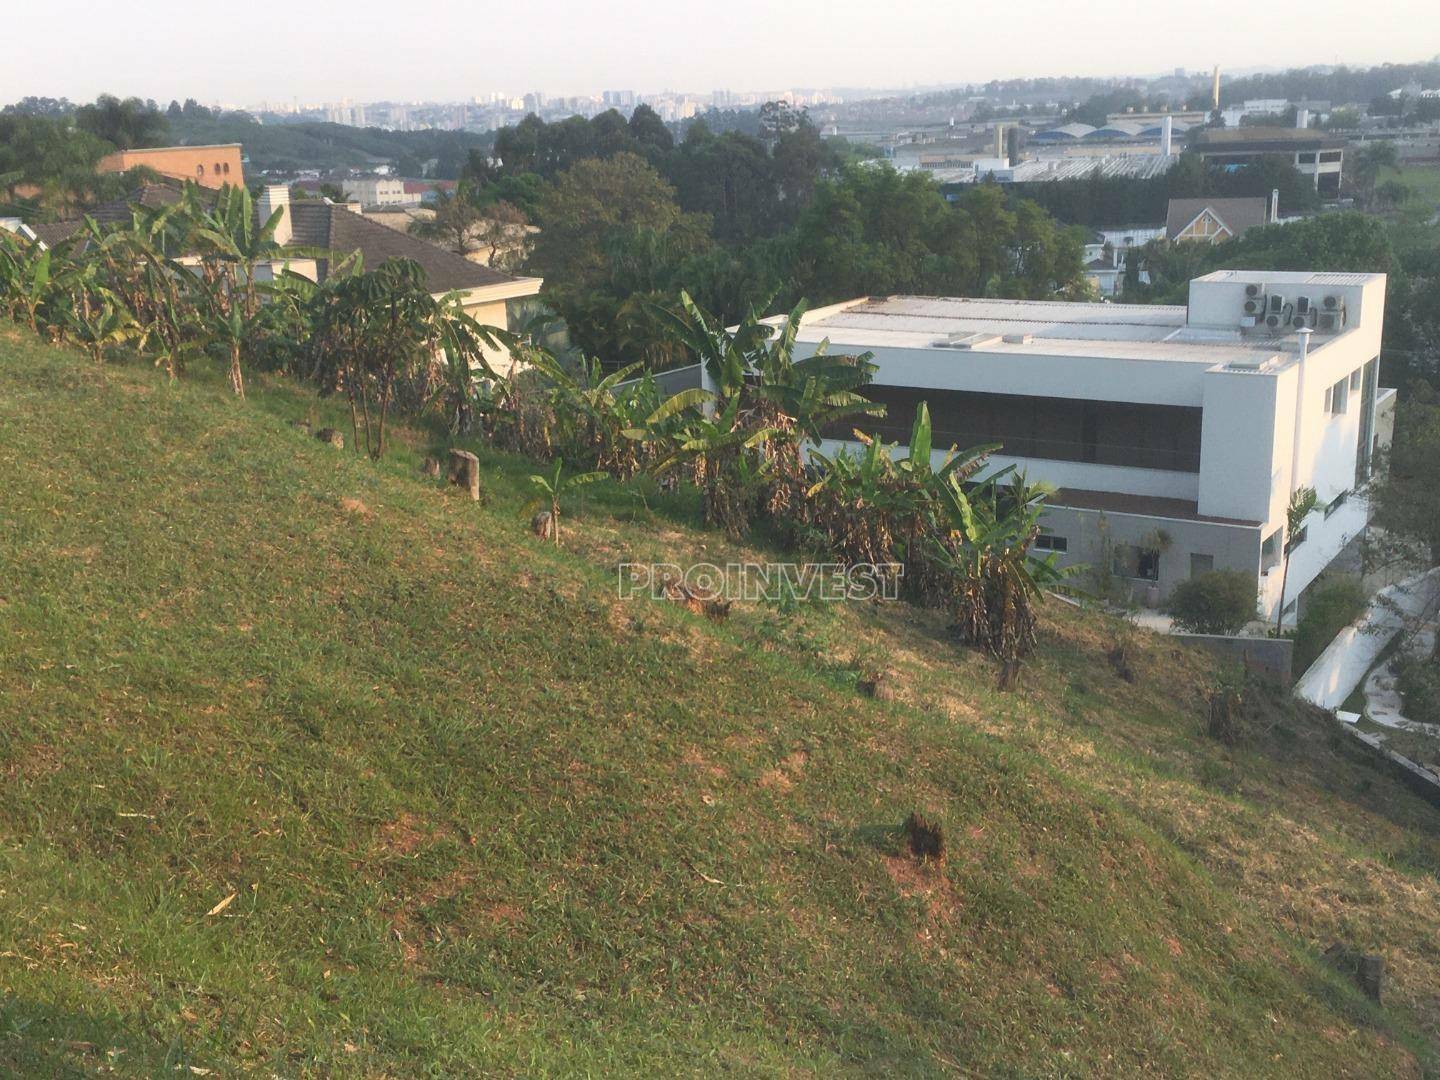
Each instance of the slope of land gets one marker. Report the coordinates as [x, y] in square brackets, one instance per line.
[313, 767]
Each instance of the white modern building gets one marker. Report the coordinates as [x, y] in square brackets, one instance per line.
[1173, 435]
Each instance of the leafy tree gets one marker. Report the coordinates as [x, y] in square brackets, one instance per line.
[1368, 163]
[650, 132]
[456, 224]
[126, 124]
[581, 214]
[1405, 491]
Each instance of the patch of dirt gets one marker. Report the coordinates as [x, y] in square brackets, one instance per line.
[408, 833]
[356, 507]
[695, 759]
[31, 764]
[784, 775]
[926, 880]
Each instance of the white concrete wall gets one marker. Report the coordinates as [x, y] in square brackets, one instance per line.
[1238, 437]
[1325, 538]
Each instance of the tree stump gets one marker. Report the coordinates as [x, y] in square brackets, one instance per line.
[465, 472]
[927, 839]
[332, 436]
[1365, 970]
[431, 468]
[1009, 675]
[1225, 724]
[878, 686]
[543, 525]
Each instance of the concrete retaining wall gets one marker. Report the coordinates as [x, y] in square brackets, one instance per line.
[1340, 668]
[1271, 657]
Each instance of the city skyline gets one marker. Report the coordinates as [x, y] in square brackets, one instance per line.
[745, 47]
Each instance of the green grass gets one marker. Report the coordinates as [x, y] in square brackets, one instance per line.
[1422, 180]
[481, 816]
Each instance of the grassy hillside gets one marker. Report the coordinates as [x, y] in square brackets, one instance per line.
[480, 815]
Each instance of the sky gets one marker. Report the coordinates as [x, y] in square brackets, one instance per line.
[368, 50]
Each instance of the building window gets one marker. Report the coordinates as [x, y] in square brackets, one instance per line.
[1270, 551]
[1337, 398]
[199, 170]
[227, 168]
[1336, 503]
[1298, 537]
[1132, 561]
[1051, 542]
[1355, 380]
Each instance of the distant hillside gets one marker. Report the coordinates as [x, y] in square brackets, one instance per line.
[1341, 85]
[313, 767]
[295, 146]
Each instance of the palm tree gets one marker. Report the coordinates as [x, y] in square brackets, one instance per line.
[1302, 501]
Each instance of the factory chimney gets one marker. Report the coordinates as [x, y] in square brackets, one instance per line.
[1302, 118]
[1274, 205]
[999, 140]
[1167, 133]
[1215, 90]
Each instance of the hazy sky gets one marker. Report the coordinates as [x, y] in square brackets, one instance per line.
[451, 49]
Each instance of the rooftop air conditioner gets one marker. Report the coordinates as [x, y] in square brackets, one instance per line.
[1331, 321]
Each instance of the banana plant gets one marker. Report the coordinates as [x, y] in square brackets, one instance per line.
[996, 577]
[28, 281]
[551, 489]
[102, 322]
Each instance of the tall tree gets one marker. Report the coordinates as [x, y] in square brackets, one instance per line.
[126, 124]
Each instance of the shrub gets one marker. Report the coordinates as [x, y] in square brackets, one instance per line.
[1220, 602]
[1332, 605]
[1418, 680]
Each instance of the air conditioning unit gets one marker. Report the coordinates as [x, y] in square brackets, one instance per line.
[1331, 303]
[1331, 321]
[1274, 321]
[1302, 305]
[1255, 306]
[1277, 303]
[1247, 322]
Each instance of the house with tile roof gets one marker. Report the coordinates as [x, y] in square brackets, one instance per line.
[1212, 220]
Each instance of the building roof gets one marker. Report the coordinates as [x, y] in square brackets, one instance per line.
[1041, 170]
[1111, 502]
[1029, 328]
[323, 224]
[115, 211]
[1237, 215]
[1120, 129]
[1065, 131]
